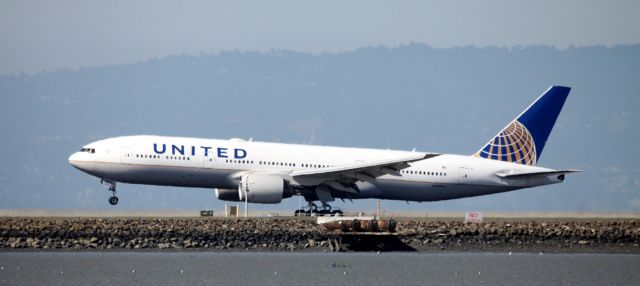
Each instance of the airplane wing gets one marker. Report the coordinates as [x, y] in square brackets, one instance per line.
[339, 177]
[535, 174]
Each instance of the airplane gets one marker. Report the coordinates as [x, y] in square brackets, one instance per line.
[266, 173]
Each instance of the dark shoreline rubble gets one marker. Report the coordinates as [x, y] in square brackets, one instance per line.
[300, 234]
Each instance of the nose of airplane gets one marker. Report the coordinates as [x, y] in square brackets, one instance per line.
[73, 159]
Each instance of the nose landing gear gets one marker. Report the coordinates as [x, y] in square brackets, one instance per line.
[113, 200]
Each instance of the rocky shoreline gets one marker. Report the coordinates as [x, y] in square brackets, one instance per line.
[302, 234]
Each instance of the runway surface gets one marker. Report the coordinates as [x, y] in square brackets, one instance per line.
[264, 268]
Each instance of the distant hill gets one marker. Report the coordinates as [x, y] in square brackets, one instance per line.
[443, 100]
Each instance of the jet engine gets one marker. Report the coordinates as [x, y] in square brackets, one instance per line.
[230, 195]
[263, 189]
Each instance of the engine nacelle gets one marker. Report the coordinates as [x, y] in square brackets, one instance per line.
[263, 189]
[230, 195]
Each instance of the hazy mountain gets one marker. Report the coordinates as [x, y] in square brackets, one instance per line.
[443, 100]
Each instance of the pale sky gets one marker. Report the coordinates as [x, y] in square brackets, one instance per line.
[46, 35]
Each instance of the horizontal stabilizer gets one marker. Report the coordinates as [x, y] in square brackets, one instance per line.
[535, 174]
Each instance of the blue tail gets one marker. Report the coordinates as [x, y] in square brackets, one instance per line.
[524, 138]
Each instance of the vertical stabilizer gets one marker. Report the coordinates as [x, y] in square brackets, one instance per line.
[523, 140]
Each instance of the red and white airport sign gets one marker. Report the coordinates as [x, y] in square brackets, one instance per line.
[473, 217]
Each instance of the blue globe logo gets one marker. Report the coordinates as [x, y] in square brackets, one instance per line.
[513, 144]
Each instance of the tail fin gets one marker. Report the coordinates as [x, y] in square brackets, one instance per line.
[524, 138]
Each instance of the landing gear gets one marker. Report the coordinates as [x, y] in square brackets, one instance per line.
[307, 211]
[113, 200]
[312, 210]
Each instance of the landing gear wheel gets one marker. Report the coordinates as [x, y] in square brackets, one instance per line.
[113, 200]
[311, 210]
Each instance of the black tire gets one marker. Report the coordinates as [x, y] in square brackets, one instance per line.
[113, 200]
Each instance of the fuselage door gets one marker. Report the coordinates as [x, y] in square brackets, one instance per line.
[208, 161]
[464, 175]
[125, 154]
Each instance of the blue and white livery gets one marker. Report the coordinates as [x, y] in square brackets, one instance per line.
[263, 172]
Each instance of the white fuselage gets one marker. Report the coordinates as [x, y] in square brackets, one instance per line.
[210, 163]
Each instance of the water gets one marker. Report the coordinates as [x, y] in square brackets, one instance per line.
[251, 268]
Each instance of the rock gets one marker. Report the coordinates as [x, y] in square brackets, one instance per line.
[288, 234]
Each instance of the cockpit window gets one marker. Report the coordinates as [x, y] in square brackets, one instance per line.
[88, 150]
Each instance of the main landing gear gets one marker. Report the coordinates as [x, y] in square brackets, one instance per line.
[312, 210]
[113, 200]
